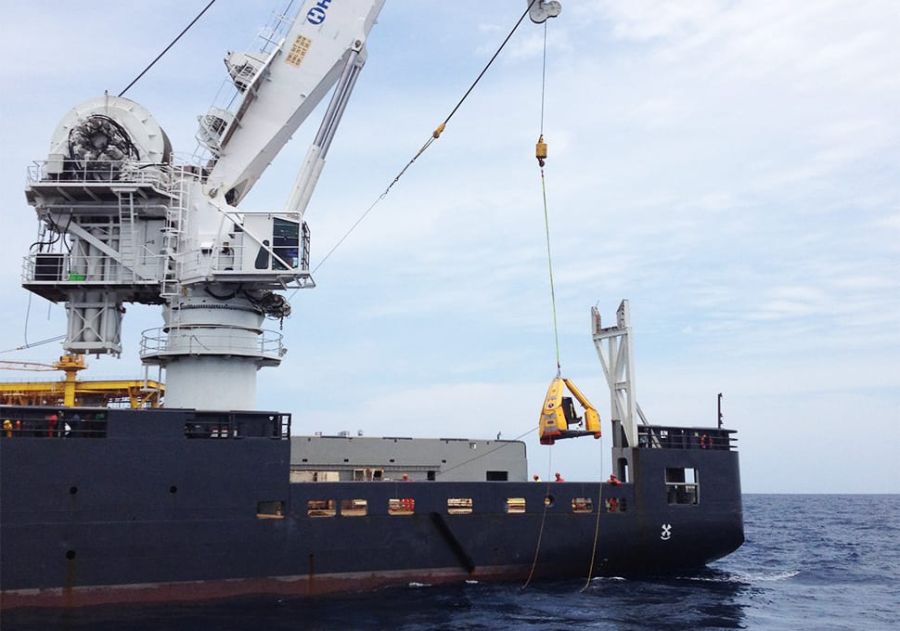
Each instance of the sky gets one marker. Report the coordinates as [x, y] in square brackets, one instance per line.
[728, 166]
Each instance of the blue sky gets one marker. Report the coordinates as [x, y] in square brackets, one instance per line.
[730, 167]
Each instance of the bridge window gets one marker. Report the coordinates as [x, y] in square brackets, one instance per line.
[515, 504]
[401, 506]
[270, 510]
[459, 505]
[582, 505]
[682, 485]
[354, 508]
[300, 475]
[321, 508]
[497, 476]
[367, 475]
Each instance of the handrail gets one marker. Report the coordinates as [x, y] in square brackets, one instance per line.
[230, 425]
[72, 267]
[670, 437]
[154, 174]
[206, 341]
[21, 422]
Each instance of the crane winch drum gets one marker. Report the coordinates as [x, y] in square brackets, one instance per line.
[102, 135]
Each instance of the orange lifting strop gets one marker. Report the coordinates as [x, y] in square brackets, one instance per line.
[558, 417]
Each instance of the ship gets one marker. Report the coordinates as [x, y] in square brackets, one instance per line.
[209, 497]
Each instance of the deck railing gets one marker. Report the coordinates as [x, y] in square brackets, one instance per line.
[658, 436]
[234, 425]
[155, 175]
[22, 422]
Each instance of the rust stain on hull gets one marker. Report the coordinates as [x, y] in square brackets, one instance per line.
[300, 585]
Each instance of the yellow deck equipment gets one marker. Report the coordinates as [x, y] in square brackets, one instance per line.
[558, 417]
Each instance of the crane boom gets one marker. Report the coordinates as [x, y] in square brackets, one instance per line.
[325, 43]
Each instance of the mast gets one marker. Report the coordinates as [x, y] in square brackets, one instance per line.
[616, 353]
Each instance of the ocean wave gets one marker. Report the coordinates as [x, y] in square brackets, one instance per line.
[415, 585]
[608, 578]
[744, 578]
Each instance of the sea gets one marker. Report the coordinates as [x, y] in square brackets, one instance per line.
[809, 562]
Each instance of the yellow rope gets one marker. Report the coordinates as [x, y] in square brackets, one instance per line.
[550, 268]
[541, 155]
[537, 549]
[590, 574]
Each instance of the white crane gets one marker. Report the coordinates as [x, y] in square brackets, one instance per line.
[121, 222]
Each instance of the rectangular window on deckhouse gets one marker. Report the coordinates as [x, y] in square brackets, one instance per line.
[682, 485]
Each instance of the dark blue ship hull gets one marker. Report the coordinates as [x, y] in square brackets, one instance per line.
[135, 506]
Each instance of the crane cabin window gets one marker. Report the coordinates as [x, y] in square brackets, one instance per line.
[285, 243]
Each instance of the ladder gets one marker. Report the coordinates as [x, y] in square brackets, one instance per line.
[127, 237]
[170, 286]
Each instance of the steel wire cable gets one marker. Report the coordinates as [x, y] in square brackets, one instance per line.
[547, 499]
[543, 77]
[434, 136]
[590, 574]
[33, 344]
[487, 453]
[546, 211]
[166, 49]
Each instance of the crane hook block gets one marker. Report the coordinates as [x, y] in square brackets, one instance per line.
[558, 417]
[540, 150]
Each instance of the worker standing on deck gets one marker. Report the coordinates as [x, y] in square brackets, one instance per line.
[52, 422]
[74, 425]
